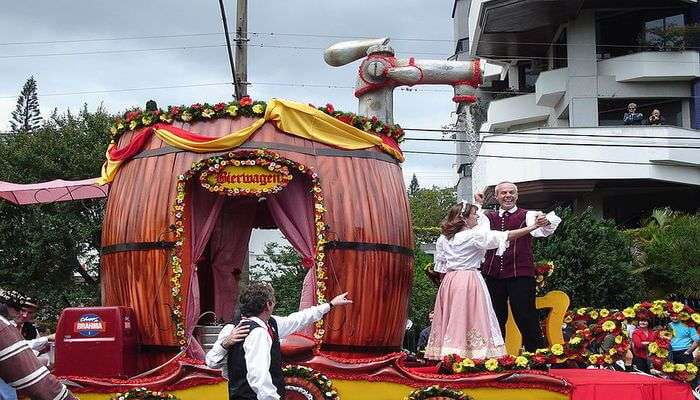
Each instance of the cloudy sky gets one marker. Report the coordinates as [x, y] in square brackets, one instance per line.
[122, 48]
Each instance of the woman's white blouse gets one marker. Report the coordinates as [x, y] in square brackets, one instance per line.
[466, 250]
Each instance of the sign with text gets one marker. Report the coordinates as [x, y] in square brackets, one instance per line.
[251, 180]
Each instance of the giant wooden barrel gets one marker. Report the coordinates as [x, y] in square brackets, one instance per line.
[370, 254]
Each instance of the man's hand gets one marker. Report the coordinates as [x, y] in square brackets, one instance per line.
[237, 335]
[479, 198]
[341, 300]
[541, 220]
[51, 337]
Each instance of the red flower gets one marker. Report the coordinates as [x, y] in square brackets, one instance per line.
[329, 108]
[386, 130]
[197, 107]
[374, 119]
[346, 119]
[646, 304]
[539, 359]
[132, 115]
[246, 101]
[175, 111]
[219, 107]
[507, 360]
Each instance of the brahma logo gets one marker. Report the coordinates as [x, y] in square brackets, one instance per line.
[90, 325]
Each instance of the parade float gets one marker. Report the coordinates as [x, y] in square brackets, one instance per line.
[187, 184]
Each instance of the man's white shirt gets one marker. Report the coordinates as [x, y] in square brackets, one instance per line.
[257, 346]
[530, 218]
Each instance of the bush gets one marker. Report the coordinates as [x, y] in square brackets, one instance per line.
[593, 262]
[668, 253]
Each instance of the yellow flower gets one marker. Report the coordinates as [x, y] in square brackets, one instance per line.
[680, 367]
[133, 124]
[521, 361]
[186, 116]
[677, 306]
[653, 347]
[608, 359]
[491, 364]
[568, 319]
[604, 312]
[581, 311]
[468, 363]
[612, 351]
[657, 309]
[575, 340]
[592, 358]
[666, 334]
[232, 110]
[608, 326]
[113, 130]
[628, 312]
[618, 339]
[258, 109]
[695, 317]
[661, 352]
[557, 349]
[147, 120]
[691, 368]
[208, 113]
[458, 368]
[593, 314]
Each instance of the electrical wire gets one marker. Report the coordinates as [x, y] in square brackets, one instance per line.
[563, 134]
[559, 143]
[586, 160]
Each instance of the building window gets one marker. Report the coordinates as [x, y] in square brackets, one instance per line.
[620, 33]
[559, 52]
[528, 72]
[611, 111]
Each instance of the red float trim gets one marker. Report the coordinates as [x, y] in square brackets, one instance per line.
[469, 98]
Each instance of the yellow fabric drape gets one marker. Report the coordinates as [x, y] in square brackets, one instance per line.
[291, 117]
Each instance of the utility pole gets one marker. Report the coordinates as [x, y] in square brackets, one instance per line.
[236, 93]
[242, 47]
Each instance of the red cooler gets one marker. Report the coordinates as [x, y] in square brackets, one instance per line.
[96, 342]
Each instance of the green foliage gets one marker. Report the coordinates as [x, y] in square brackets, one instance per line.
[592, 262]
[667, 252]
[44, 247]
[281, 266]
[26, 116]
[423, 292]
[430, 206]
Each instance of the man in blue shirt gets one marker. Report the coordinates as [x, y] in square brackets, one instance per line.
[685, 340]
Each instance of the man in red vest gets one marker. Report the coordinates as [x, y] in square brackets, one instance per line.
[511, 277]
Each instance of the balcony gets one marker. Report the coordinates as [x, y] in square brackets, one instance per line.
[522, 162]
[653, 66]
[551, 87]
[516, 110]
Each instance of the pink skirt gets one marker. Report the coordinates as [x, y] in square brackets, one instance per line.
[464, 322]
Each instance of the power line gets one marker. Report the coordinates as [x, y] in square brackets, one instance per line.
[559, 143]
[531, 158]
[561, 134]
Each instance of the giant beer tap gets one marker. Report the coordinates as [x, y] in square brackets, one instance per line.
[380, 72]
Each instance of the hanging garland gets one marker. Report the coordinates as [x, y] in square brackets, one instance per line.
[436, 392]
[143, 394]
[296, 376]
[211, 164]
[137, 118]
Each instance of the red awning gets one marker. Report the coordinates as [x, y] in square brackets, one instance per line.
[51, 192]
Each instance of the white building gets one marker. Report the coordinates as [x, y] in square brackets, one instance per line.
[570, 67]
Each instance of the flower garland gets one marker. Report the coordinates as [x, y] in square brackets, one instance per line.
[262, 162]
[370, 125]
[212, 164]
[143, 394]
[436, 391]
[576, 349]
[246, 107]
[316, 378]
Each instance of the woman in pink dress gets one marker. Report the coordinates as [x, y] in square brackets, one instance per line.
[464, 322]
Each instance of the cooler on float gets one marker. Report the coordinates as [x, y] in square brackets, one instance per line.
[96, 342]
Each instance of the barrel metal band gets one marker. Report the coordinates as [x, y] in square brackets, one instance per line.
[363, 246]
[281, 147]
[138, 246]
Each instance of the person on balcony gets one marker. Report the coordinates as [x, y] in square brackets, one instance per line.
[464, 322]
[655, 118]
[632, 117]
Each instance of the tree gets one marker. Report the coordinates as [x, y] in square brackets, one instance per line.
[50, 251]
[667, 253]
[413, 187]
[430, 206]
[592, 262]
[26, 117]
[423, 291]
[281, 266]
